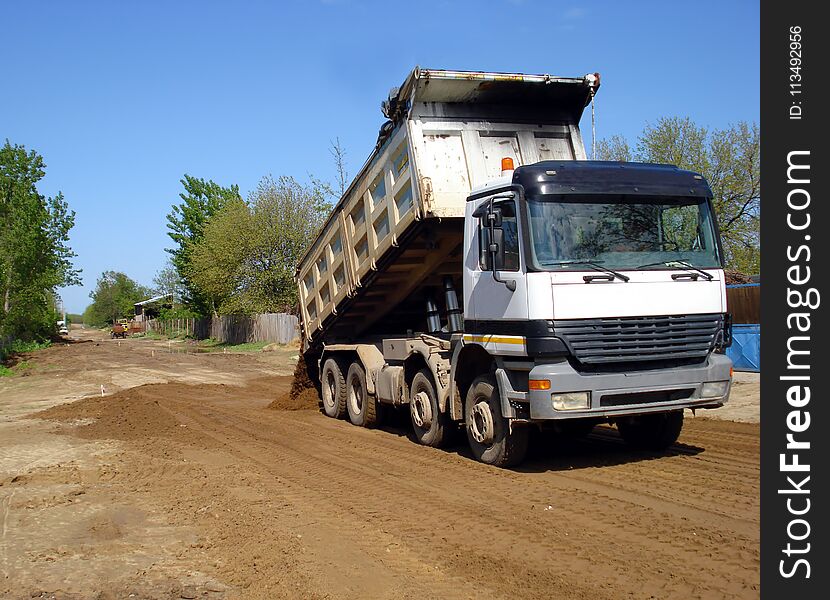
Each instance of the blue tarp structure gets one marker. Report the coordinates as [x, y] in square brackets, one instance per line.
[745, 350]
[744, 304]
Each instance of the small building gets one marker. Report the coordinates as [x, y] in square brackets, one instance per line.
[149, 309]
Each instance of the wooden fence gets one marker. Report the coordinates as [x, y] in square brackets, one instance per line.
[232, 329]
[174, 327]
[744, 302]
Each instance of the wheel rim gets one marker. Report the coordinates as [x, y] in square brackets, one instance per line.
[330, 389]
[356, 397]
[481, 423]
[421, 409]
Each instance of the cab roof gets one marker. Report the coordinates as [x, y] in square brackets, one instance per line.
[568, 177]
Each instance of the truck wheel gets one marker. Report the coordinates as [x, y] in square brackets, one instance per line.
[362, 408]
[431, 426]
[655, 431]
[488, 431]
[333, 389]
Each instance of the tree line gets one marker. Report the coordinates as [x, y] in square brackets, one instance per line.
[35, 257]
[230, 255]
[238, 256]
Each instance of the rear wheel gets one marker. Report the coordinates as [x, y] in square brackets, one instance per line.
[488, 432]
[655, 431]
[333, 390]
[363, 409]
[431, 426]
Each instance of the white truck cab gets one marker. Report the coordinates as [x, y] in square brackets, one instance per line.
[608, 282]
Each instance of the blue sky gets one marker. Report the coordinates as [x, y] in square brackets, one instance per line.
[124, 98]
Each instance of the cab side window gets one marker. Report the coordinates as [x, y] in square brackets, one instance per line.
[510, 227]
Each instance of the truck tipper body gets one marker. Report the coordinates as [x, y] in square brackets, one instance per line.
[481, 271]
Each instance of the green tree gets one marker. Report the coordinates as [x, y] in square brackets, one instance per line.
[73, 318]
[614, 148]
[250, 250]
[35, 257]
[729, 159]
[218, 261]
[113, 298]
[186, 222]
[168, 282]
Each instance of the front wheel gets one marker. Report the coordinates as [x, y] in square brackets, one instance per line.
[488, 432]
[656, 431]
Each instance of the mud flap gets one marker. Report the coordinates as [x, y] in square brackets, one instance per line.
[506, 392]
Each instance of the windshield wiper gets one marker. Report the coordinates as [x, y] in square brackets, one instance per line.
[681, 264]
[594, 265]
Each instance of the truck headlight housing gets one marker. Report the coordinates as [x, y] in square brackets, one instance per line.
[571, 401]
[714, 389]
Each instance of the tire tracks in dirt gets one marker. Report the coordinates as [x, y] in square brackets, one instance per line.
[406, 495]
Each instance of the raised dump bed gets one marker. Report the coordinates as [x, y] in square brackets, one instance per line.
[397, 231]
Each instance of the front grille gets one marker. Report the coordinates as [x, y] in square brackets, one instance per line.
[639, 339]
[645, 397]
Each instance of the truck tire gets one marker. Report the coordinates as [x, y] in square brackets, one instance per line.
[488, 432]
[655, 431]
[333, 389]
[363, 409]
[430, 425]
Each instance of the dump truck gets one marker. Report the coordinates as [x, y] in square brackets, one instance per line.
[480, 271]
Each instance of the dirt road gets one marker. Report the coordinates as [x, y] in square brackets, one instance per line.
[181, 488]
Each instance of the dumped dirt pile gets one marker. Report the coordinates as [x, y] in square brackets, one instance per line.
[303, 393]
[127, 415]
[141, 412]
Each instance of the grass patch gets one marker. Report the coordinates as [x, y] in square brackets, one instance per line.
[17, 369]
[20, 347]
[9, 365]
[149, 335]
[213, 345]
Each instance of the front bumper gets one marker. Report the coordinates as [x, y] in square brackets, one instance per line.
[637, 392]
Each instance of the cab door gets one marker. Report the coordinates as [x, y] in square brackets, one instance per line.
[493, 300]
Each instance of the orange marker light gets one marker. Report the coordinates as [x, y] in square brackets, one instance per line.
[539, 384]
[507, 164]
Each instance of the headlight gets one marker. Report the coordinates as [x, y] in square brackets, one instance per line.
[571, 400]
[714, 389]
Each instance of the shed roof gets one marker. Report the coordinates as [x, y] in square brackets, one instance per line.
[154, 299]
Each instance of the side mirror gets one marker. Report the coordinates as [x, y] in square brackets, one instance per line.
[495, 247]
[492, 242]
[494, 216]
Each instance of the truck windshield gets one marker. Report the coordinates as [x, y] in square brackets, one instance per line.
[621, 232]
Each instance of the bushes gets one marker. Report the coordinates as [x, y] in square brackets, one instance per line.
[19, 347]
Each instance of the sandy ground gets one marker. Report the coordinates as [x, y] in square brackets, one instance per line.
[180, 483]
